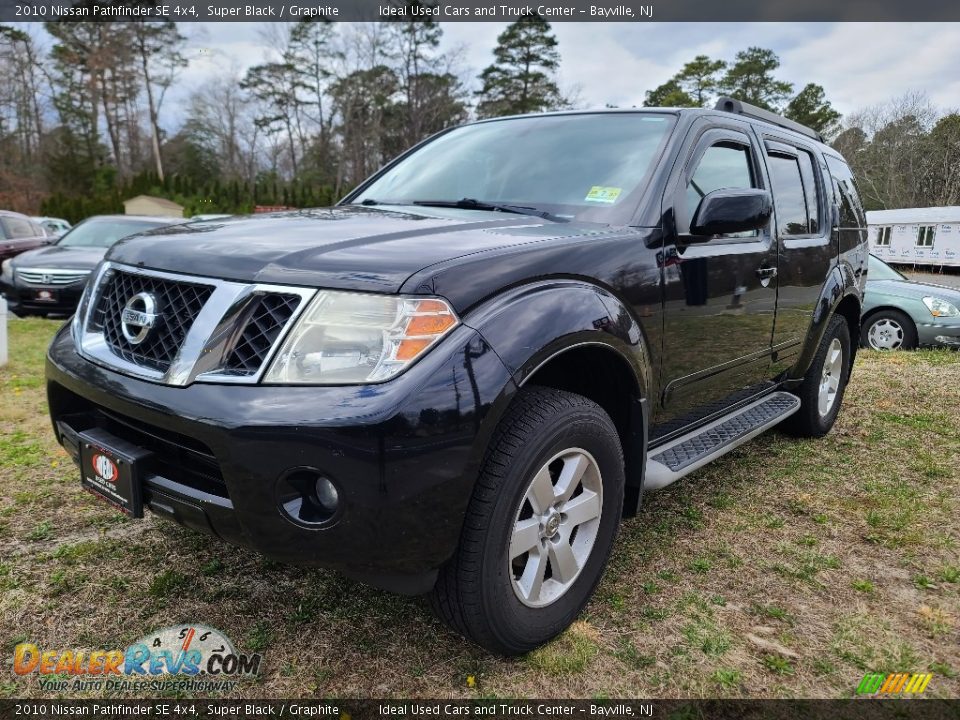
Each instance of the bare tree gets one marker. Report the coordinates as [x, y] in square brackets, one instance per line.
[158, 45]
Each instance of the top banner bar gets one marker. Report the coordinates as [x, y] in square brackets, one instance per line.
[641, 11]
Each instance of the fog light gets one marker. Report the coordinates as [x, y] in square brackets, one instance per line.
[308, 497]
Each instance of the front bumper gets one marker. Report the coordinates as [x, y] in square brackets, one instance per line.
[22, 298]
[944, 332]
[403, 454]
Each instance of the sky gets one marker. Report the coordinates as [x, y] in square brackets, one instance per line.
[858, 64]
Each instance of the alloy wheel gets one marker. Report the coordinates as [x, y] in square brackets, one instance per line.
[555, 527]
[830, 379]
[885, 334]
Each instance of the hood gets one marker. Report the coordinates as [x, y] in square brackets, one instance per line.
[349, 247]
[913, 290]
[55, 256]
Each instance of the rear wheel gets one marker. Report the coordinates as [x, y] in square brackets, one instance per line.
[821, 391]
[540, 525]
[889, 330]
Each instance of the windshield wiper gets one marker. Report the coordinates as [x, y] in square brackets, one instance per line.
[472, 204]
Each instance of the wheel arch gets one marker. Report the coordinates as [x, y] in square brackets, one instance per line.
[849, 308]
[838, 296]
[588, 343]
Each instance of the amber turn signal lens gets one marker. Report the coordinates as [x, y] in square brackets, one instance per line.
[409, 349]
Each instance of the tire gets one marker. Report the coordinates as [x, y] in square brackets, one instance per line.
[825, 371]
[889, 330]
[478, 593]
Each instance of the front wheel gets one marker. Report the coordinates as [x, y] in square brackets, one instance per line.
[889, 330]
[821, 391]
[540, 524]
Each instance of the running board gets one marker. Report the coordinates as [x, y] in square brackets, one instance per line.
[668, 463]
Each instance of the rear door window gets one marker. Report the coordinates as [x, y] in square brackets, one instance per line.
[788, 195]
[810, 191]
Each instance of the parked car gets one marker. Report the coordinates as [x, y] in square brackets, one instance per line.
[54, 227]
[50, 280]
[458, 380]
[900, 314]
[18, 233]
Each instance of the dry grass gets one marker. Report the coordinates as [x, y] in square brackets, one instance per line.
[786, 569]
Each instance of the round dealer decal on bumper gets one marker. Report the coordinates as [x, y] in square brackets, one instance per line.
[105, 468]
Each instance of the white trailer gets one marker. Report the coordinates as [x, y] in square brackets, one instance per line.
[916, 236]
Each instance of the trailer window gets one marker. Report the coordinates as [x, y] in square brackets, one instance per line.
[926, 235]
[883, 236]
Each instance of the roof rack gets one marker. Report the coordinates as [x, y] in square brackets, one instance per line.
[738, 107]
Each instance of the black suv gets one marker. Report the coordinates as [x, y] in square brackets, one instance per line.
[459, 379]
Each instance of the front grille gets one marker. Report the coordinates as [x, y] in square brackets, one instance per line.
[176, 457]
[52, 277]
[267, 316]
[178, 304]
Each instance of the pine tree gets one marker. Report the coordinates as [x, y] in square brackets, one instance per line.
[670, 94]
[751, 80]
[810, 107]
[698, 78]
[522, 78]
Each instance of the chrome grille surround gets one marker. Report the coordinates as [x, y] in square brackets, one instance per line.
[210, 340]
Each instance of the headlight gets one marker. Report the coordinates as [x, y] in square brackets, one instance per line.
[80, 315]
[6, 267]
[940, 308]
[347, 338]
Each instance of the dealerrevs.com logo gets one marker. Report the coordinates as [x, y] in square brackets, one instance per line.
[190, 657]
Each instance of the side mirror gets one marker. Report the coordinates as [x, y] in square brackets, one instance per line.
[731, 210]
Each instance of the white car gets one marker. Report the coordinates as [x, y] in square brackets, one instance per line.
[54, 227]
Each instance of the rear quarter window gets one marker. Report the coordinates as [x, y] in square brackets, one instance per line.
[847, 194]
[14, 228]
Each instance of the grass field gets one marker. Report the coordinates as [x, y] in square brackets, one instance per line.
[786, 569]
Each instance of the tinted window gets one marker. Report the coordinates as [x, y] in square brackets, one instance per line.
[15, 227]
[104, 232]
[788, 195]
[725, 165]
[851, 209]
[589, 166]
[810, 191]
[878, 270]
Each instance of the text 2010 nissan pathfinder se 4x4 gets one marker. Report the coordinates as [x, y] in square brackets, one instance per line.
[459, 379]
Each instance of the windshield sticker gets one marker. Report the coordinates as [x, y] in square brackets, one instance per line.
[603, 194]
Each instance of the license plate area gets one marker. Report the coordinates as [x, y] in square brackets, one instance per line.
[45, 296]
[113, 469]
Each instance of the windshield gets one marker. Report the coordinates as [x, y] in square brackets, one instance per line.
[877, 269]
[104, 233]
[576, 166]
